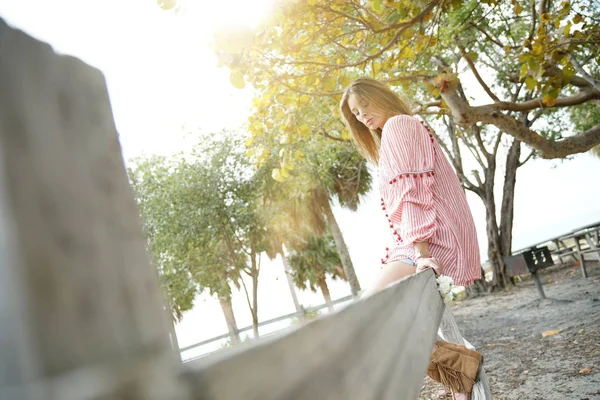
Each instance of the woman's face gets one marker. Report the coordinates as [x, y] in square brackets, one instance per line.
[365, 114]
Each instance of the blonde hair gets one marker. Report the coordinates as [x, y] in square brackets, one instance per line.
[383, 101]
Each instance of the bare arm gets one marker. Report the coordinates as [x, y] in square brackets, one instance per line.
[424, 260]
[422, 249]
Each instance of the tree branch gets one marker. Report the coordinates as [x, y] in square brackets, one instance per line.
[361, 21]
[521, 163]
[477, 134]
[538, 114]
[474, 152]
[497, 144]
[578, 143]
[584, 95]
[455, 155]
[424, 106]
[543, 6]
[533, 21]
[583, 72]
[410, 78]
[327, 135]
[478, 179]
[247, 294]
[476, 73]
[466, 115]
[402, 28]
[487, 35]
[574, 80]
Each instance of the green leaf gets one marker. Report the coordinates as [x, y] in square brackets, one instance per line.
[408, 34]
[376, 68]
[474, 56]
[237, 79]
[407, 53]
[276, 174]
[549, 100]
[568, 70]
[376, 5]
[534, 64]
[166, 4]
[304, 130]
[545, 18]
[531, 83]
[518, 9]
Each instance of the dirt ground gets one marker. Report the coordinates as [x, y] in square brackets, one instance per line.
[519, 361]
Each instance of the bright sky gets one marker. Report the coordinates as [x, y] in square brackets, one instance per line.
[161, 76]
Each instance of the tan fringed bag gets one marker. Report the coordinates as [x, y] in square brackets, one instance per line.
[454, 366]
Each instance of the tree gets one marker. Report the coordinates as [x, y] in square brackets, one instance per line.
[187, 265]
[201, 217]
[233, 200]
[531, 55]
[341, 174]
[330, 171]
[314, 48]
[312, 262]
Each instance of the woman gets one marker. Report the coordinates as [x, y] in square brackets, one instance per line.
[421, 196]
[429, 218]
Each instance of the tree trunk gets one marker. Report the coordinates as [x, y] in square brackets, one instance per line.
[494, 247]
[172, 332]
[254, 292]
[340, 244]
[508, 198]
[290, 281]
[322, 282]
[173, 335]
[493, 233]
[227, 308]
[478, 287]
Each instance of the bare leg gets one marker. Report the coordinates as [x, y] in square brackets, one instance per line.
[390, 273]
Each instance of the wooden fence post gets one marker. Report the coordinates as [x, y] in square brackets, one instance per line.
[80, 309]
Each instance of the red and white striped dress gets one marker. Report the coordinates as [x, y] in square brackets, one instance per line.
[424, 201]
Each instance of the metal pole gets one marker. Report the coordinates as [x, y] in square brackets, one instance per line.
[538, 284]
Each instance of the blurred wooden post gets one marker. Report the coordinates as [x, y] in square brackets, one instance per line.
[80, 310]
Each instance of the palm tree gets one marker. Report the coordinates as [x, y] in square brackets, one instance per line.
[302, 206]
[312, 262]
[342, 175]
[290, 219]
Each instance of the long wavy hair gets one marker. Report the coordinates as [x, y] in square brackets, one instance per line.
[382, 101]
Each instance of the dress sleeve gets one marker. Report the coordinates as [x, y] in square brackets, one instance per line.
[408, 152]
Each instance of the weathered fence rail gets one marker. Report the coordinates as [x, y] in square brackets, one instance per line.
[81, 316]
[375, 349]
[200, 348]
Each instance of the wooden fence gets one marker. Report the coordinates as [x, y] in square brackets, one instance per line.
[203, 348]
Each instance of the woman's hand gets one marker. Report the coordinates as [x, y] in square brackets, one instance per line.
[429, 262]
